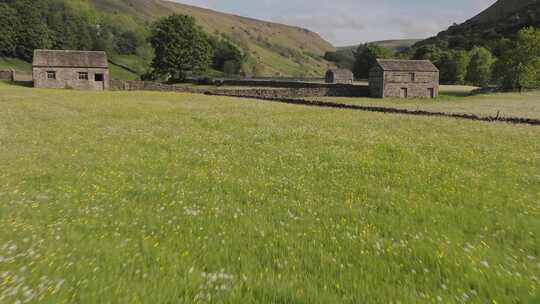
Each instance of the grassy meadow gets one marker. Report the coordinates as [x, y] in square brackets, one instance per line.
[147, 197]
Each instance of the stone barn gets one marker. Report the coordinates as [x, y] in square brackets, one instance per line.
[404, 78]
[80, 70]
[341, 76]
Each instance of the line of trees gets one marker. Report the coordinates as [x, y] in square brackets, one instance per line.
[513, 64]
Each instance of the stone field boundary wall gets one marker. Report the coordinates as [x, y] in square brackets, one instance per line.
[7, 75]
[287, 90]
[389, 110]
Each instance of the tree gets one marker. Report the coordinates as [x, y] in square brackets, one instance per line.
[342, 58]
[126, 43]
[227, 57]
[69, 29]
[519, 65]
[428, 52]
[366, 57]
[180, 46]
[453, 66]
[8, 30]
[34, 34]
[480, 67]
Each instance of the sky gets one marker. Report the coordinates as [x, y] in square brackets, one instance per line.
[349, 22]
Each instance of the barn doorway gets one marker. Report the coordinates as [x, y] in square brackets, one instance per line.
[100, 78]
[404, 93]
[431, 93]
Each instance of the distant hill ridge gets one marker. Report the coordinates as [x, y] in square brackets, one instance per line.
[396, 45]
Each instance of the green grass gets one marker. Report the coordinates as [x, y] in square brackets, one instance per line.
[132, 61]
[142, 197]
[452, 100]
[119, 73]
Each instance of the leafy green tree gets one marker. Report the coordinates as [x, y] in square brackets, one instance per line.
[453, 66]
[366, 57]
[8, 30]
[480, 67]
[342, 58]
[126, 43]
[69, 28]
[180, 46]
[34, 34]
[428, 52]
[519, 65]
[227, 57]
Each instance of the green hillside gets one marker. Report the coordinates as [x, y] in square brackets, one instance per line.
[20, 66]
[393, 45]
[122, 28]
[502, 9]
[502, 20]
[278, 50]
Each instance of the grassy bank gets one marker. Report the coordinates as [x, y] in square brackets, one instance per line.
[142, 197]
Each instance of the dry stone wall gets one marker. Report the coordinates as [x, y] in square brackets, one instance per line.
[7, 75]
[291, 90]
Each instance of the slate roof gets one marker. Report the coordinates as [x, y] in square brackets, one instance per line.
[70, 59]
[407, 65]
[341, 73]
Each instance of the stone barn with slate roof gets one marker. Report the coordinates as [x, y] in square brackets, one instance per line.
[404, 78]
[80, 70]
[341, 76]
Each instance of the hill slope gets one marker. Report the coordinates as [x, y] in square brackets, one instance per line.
[501, 20]
[501, 9]
[393, 45]
[278, 49]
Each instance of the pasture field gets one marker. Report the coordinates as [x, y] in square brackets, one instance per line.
[147, 197]
[453, 100]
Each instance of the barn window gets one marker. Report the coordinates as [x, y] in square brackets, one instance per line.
[51, 75]
[413, 77]
[83, 75]
[98, 77]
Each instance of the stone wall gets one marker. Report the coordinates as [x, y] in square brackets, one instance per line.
[7, 75]
[276, 83]
[356, 91]
[259, 92]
